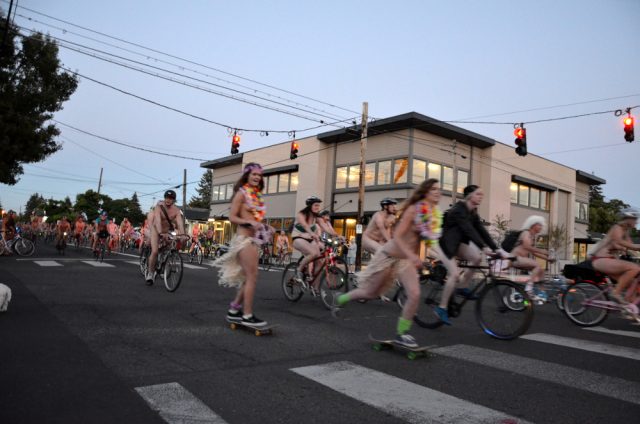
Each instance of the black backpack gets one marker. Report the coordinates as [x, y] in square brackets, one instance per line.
[510, 240]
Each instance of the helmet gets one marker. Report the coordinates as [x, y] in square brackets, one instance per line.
[312, 199]
[324, 212]
[103, 213]
[170, 194]
[388, 201]
[629, 213]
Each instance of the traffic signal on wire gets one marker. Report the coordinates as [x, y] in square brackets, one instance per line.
[521, 141]
[235, 144]
[628, 128]
[294, 150]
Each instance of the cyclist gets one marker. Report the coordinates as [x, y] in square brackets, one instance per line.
[399, 257]
[378, 231]
[195, 239]
[101, 230]
[145, 233]
[9, 226]
[525, 251]
[239, 266]
[462, 236]
[166, 217]
[78, 229]
[113, 229]
[282, 244]
[125, 231]
[306, 237]
[605, 256]
[63, 227]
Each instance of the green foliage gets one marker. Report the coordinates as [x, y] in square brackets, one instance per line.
[602, 214]
[203, 199]
[31, 89]
[35, 205]
[136, 216]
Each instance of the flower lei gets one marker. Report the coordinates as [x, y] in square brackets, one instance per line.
[255, 202]
[428, 221]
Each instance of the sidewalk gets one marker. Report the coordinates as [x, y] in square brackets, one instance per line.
[49, 375]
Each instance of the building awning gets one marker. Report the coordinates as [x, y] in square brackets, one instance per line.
[533, 183]
[222, 162]
[410, 120]
[590, 179]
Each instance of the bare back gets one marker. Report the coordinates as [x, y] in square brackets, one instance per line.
[378, 230]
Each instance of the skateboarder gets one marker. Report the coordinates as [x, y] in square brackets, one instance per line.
[420, 219]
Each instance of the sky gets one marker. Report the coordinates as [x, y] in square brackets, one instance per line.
[495, 60]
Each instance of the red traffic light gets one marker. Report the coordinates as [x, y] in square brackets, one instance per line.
[628, 121]
[628, 128]
[294, 150]
[520, 133]
[236, 139]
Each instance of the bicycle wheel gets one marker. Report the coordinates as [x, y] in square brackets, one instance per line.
[200, 256]
[24, 247]
[144, 258]
[334, 282]
[102, 249]
[291, 288]
[173, 272]
[503, 310]
[581, 302]
[286, 259]
[426, 315]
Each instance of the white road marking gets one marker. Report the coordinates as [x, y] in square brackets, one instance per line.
[133, 262]
[98, 264]
[547, 371]
[47, 263]
[176, 405]
[617, 332]
[606, 349]
[190, 266]
[400, 398]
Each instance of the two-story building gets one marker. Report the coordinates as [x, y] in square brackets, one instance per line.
[402, 151]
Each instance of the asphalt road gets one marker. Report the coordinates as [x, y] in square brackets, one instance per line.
[87, 344]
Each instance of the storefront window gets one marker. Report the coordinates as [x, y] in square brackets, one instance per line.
[419, 171]
[384, 172]
[370, 174]
[354, 176]
[400, 171]
[341, 177]
[283, 183]
[447, 179]
[434, 171]
[463, 181]
[287, 224]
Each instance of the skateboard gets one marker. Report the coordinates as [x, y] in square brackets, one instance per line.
[412, 352]
[258, 331]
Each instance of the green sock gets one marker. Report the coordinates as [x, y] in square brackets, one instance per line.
[403, 325]
[343, 299]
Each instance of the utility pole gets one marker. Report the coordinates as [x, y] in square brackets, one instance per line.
[363, 149]
[184, 190]
[100, 181]
[6, 29]
[455, 174]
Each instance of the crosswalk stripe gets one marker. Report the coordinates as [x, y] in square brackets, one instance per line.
[607, 349]
[98, 264]
[48, 263]
[133, 262]
[617, 332]
[555, 373]
[190, 266]
[400, 398]
[176, 405]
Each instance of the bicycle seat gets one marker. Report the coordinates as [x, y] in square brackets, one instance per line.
[582, 271]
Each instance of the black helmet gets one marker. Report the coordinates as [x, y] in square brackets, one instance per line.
[388, 201]
[170, 194]
[324, 212]
[312, 199]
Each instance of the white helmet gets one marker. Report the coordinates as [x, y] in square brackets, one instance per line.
[629, 213]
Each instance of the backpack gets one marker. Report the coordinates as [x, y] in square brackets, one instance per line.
[510, 240]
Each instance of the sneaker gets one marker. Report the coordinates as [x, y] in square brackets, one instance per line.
[466, 293]
[314, 291]
[253, 321]
[234, 316]
[406, 340]
[149, 278]
[443, 315]
[385, 298]
[534, 297]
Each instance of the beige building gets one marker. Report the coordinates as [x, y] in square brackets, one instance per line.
[401, 152]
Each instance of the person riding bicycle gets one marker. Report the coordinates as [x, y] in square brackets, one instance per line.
[166, 217]
[399, 257]
[282, 244]
[463, 235]
[62, 230]
[525, 251]
[78, 229]
[101, 230]
[306, 237]
[195, 238]
[378, 231]
[9, 226]
[606, 254]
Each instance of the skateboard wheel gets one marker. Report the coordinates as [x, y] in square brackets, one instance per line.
[233, 326]
[258, 333]
[411, 355]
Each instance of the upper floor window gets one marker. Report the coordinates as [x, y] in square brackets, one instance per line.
[582, 211]
[384, 172]
[423, 170]
[524, 195]
[281, 183]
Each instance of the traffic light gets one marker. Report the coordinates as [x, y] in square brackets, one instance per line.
[294, 150]
[628, 128]
[235, 144]
[521, 141]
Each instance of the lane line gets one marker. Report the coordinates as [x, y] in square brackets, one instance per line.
[400, 398]
[47, 263]
[574, 378]
[617, 332]
[176, 405]
[133, 262]
[98, 264]
[606, 349]
[191, 266]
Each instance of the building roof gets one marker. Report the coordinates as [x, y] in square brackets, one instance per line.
[222, 162]
[410, 120]
[590, 179]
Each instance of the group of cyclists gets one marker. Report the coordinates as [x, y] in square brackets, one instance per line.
[394, 237]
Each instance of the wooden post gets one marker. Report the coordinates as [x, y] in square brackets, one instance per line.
[363, 149]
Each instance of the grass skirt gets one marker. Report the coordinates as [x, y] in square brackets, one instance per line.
[230, 273]
[392, 268]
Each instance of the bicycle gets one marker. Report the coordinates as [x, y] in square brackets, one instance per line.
[503, 310]
[21, 246]
[587, 303]
[62, 244]
[98, 253]
[196, 254]
[169, 262]
[264, 256]
[283, 258]
[334, 277]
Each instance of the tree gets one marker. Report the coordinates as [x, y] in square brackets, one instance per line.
[135, 212]
[602, 214]
[91, 203]
[35, 203]
[500, 227]
[203, 199]
[32, 87]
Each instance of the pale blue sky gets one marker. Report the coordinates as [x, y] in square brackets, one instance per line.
[446, 59]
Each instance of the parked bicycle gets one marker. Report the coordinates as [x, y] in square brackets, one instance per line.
[331, 270]
[503, 310]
